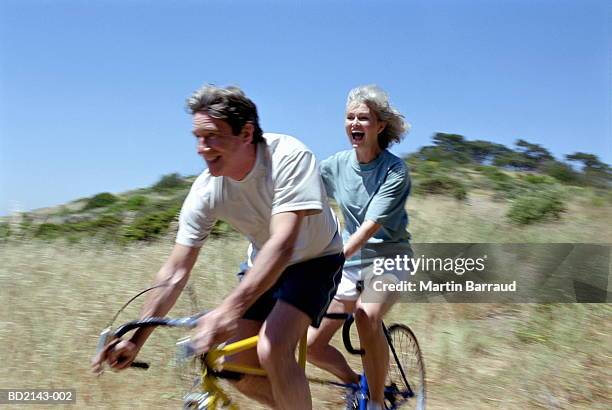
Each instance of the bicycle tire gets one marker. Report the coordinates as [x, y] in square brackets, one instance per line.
[406, 365]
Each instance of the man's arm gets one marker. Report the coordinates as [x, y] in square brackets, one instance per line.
[174, 275]
[270, 262]
[219, 325]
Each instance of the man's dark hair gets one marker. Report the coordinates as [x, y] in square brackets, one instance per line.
[229, 104]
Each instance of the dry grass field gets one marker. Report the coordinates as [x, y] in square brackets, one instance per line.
[56, 297]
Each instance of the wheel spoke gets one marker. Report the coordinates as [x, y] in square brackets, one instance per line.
[408, 391]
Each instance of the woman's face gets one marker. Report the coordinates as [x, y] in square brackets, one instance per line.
[362, 126]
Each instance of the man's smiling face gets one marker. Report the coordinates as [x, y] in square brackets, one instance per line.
[221, 149]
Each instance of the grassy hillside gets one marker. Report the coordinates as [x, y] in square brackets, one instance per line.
[517, 199]
[61, 285]
[56, 299]
[143, 214]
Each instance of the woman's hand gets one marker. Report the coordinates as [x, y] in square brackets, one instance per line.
[360, 237]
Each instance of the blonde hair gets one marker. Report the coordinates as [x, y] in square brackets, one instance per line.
[378, 101]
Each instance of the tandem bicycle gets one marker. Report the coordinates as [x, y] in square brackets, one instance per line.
[405, 385]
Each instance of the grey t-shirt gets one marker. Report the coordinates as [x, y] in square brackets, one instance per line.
[284, 178]
[376, 191]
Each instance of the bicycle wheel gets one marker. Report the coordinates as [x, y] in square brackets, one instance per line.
[406, 376]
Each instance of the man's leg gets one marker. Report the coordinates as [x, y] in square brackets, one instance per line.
[368, 317]
[278, 340]
[255, 387]
[324, 355]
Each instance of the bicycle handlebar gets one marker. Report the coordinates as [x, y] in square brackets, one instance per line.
[346, 337]
[346, 331]
[105, 336]
[187, 322]
[190, 322]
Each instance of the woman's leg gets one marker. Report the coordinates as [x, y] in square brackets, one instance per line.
[324, 355]
[368, 317]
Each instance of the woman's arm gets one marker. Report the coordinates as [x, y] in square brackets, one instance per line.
[360, 237]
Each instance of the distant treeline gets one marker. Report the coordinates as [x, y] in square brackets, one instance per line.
[535, 186]
[526, 156]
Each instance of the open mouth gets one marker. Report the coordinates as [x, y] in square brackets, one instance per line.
[357, 136]
[213, 160]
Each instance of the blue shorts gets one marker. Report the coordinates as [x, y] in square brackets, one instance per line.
[308, 286]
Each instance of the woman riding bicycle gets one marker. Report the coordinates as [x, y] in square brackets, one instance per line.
[371, 186]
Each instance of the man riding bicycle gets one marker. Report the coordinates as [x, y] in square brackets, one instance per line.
[268, 187]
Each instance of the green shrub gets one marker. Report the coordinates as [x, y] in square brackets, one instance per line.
[222, 228]
[100, 200]
[493, 173]
[599, 198]
[136, 202]
[48, 231]
[77, 227]
[151, 225]
[425, 167]
[537, 179]
[170, 182]
[562, 172]
[106, 224]
[512, 188]
[428, 168]
[439, 184]
[535, 206]
[597, 178]
[501, 181]
[460, 192]
[5, 231]
[26, 221]
[107, 221]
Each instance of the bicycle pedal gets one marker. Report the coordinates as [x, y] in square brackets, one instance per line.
[199, 401]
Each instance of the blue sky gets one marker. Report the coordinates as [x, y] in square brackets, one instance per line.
[92, 93]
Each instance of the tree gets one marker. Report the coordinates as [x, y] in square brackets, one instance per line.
[483, 152]
[433, 153]
[513, 159]
[454, 145]
[535, 155]
[595, 172]
[589, 161]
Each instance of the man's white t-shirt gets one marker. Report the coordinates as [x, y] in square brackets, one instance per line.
[285, 178]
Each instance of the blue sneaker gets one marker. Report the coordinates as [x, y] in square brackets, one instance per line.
[353, 395]
[351, 399]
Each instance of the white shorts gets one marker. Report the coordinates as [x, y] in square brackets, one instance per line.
[347, 289]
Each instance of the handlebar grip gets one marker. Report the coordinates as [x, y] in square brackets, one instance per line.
[184, 350]
[346, 337]
[140, 365]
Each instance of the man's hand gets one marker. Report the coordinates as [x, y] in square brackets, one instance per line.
[119, 354]
[213, 328]
[173, 276]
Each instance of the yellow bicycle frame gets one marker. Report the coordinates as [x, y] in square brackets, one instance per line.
[213, 359]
